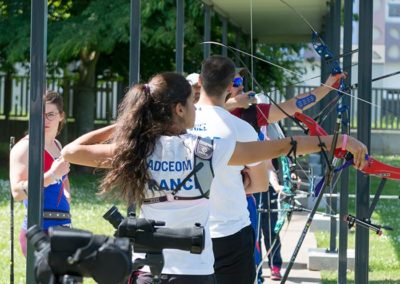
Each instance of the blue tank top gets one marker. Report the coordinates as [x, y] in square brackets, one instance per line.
[54, 198]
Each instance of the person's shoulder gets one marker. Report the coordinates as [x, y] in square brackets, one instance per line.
[190, 136]
[241, 122]
[237, 112]
[179, 141]
[263, 107]
[244, 132]
[20, 148]
[211, 111]
[22, 144]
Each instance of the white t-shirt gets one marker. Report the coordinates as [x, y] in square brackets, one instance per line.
[171, 162]
[229, 212]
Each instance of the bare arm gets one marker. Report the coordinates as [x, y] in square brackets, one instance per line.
[67, 189]
[19, 171]
[258, 180]
[290, 106]
[87, 150]
[97, 136]
[240, 101]
[250, 152]
[273, 177]
[97, 155]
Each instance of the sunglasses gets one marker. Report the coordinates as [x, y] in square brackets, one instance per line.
[237, 82]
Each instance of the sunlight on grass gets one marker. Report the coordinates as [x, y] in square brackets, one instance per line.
[87, 209]
[384, 251]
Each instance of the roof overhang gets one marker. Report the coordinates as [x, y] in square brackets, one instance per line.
[272, 20]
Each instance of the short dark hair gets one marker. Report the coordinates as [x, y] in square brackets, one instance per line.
[217, 72]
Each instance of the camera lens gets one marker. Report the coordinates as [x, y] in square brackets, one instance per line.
[37, 238]
[113, 216]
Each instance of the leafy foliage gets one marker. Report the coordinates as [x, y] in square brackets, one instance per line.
[91, 37]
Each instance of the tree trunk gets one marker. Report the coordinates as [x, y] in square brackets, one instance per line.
[85, 92]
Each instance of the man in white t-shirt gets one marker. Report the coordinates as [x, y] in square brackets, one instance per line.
[231, 232]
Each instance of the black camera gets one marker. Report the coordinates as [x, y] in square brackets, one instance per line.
[147, 236]
[66, 255]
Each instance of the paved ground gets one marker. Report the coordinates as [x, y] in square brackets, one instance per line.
[290, 236]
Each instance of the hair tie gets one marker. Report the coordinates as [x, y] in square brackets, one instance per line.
[146, 88]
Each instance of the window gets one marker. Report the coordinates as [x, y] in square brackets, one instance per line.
[393, 11]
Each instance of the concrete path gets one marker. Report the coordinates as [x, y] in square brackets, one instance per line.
[289, 237]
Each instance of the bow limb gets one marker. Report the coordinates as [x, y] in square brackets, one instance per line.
[373, 167]
[382, 170]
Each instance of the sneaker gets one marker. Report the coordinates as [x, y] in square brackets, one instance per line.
[276, 273]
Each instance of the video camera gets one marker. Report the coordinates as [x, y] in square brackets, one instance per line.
[147, 237]
[66, 255]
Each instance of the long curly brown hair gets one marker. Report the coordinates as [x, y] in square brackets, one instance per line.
[145, 114]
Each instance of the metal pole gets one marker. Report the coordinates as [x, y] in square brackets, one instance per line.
[344, 182]
[207, 30]
[363, 134]
[335, 39]
[36, 136]
[180, 21]
[224, 21]
[12, 143]
[238, 36]
[134, 46]
[325, 34]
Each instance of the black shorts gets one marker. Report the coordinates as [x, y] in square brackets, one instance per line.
[146, 278]
[234, 258]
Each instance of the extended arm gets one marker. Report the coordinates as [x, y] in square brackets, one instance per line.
[304, 101]
[240, 101]
[87, 150]
[250, 152]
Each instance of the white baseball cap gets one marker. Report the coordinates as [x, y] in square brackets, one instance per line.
[193, 78]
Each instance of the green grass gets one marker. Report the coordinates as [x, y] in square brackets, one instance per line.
[384, 251]
[87, 210]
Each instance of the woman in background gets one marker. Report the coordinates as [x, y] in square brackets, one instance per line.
[56, 189]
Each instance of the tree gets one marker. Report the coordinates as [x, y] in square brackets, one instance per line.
[94, 35]
[91, 28]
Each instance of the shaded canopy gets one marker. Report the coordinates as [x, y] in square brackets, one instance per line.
[267, 18]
